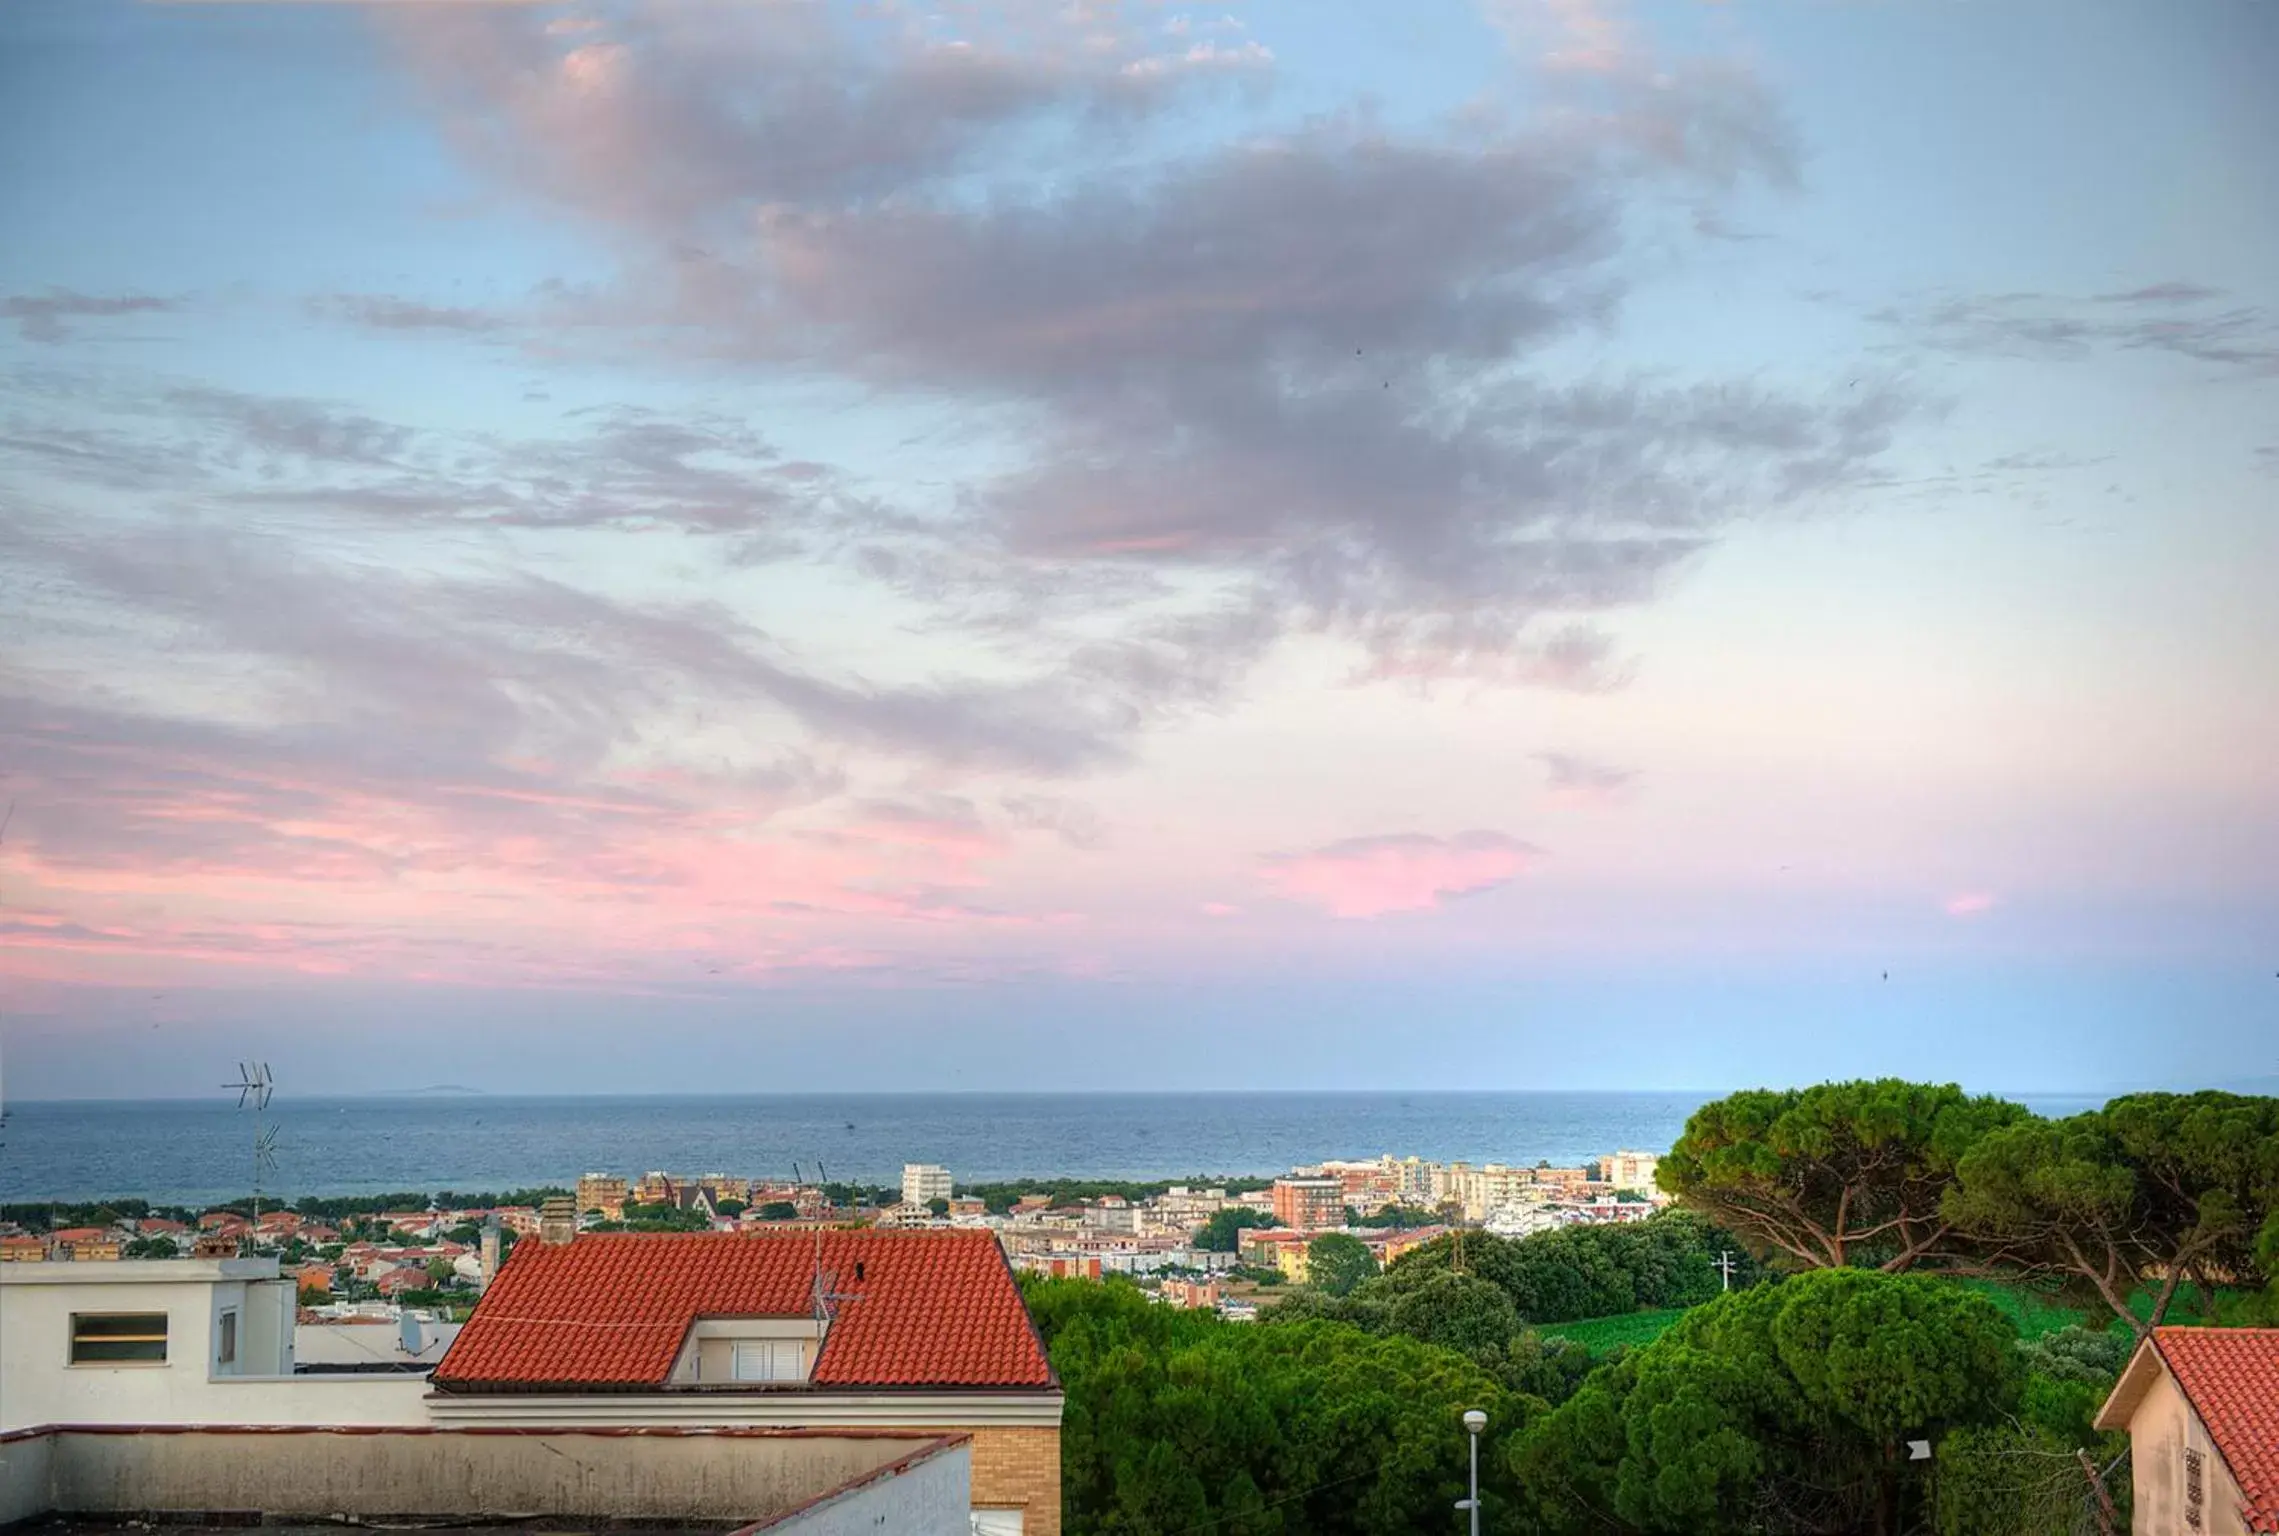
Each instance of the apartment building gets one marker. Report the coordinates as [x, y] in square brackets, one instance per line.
[1490, 1188]
[603, 1192]
[922, 1182]
[1309, 1203]
[1631, 1170]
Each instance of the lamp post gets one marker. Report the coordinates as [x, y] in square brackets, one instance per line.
[1474, 1422]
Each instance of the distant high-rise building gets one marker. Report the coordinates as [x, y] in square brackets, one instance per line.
[603, 1192]
[922, 1182]
[1631, 1170]
[1308, 1204]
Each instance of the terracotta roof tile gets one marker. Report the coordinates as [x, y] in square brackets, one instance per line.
[2232, 1377]
[610, 1310]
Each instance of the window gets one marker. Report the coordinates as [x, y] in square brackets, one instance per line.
[996, 1522]
[768, 1360]
[112, 1338]
[225, 1352]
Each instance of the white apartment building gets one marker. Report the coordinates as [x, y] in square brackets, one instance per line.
[922, 1182]
[1490, 1188]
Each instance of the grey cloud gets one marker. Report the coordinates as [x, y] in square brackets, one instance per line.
[44, 317]
[519, 664]
[2168, 317]
[300, 428]
[620, 467]
[658, 118]
[384, 313]
[1565, 771]
[2163, 293]
[1288, 364]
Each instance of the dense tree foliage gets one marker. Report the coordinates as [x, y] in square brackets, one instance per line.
[1336, 1263]
[1176, 1420]
[61, 1216]
[2151, 1191]
[778, 1210]
[1223, 1232]
[1569, 1273]
[1781, 1408]
[336, 1207]
[2125, 1206]
[1398, 1216]
[1836, 1174]
[656, 1218]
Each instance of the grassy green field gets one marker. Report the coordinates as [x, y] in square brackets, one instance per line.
[2033, 1313]
[1599, 1334]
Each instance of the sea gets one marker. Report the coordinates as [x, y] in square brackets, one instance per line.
[190, 1152]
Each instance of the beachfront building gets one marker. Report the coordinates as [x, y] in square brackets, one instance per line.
[1631, 1170]
[922, 1182]
[603, 1192]
[1309, 1203]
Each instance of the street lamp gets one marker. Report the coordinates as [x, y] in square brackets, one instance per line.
[1474, 1422]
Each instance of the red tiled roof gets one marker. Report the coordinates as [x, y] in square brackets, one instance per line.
[2232, 1377]
[610, 1310]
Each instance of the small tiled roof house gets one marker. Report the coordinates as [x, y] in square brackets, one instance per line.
[894, 1330]
[2201, 1406]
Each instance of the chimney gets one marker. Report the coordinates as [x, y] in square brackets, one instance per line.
[490, 1251]
[557, 1222]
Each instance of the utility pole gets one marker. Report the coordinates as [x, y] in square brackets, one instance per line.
[1725, 1267]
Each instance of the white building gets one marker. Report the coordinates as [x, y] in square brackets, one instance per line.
[172, 1341]
[922, 1182]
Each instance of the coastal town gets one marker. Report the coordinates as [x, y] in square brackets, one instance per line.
[1215, 1245]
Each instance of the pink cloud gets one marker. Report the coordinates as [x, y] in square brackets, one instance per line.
[1970, 904]
[1219, 909]
[1404, 872]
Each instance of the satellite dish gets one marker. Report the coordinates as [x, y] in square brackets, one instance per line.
[411, 1341]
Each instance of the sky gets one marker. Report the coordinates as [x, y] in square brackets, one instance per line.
[1085, 545]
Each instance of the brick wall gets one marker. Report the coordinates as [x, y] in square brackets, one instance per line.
[1019, 1468]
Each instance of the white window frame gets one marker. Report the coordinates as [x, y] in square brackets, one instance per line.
[226, 1331]
[776, 1360]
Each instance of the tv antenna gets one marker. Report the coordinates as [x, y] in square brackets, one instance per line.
[827, 1295]
[254, 1085]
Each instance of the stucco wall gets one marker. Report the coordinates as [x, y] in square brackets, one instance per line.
[735, 1475]
[2161, 1430]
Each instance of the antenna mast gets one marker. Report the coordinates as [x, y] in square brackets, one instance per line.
[254, 1085]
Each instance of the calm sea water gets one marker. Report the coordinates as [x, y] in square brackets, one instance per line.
[185, 1152]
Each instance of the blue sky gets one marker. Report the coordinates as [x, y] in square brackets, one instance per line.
[1127, 545]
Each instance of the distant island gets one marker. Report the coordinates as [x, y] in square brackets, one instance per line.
[436, 1090]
